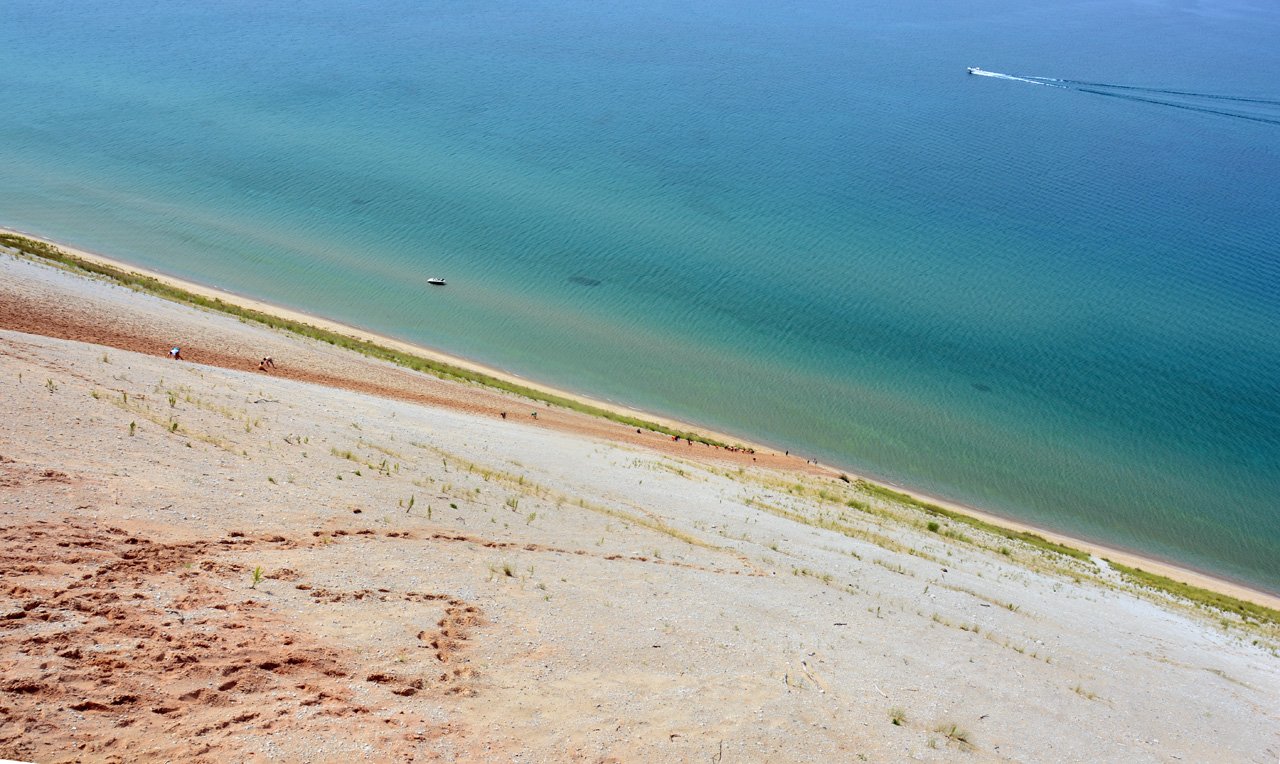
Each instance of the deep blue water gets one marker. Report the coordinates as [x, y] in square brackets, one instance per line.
[809, 224]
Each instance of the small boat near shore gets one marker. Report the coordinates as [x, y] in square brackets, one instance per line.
[435, 281]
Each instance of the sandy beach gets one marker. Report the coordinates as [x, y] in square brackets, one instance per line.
[90, 319]
[342, 559]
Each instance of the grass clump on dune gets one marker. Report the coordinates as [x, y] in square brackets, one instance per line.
[933, 509]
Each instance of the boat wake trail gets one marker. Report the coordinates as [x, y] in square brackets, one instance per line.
[1187, 107]
[1265, 110]
[1158, 91]
[1028, 80]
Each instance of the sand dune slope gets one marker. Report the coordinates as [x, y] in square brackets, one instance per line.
[443, 584]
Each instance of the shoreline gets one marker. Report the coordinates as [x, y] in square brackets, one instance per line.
[1170, 569]
[366, 335]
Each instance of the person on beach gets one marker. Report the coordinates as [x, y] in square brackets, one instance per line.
[504, 415]
[535, 415]
[262, 365]
[269, 361]
[176, 354]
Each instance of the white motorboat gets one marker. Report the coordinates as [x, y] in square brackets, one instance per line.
[435, 281]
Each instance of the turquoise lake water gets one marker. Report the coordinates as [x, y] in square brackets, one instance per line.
[804, 222]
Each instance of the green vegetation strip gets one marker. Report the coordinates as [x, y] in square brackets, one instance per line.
[154, 286]
[1245, 610]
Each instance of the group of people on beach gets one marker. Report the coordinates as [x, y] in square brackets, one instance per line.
[734, 449]
[267, 362]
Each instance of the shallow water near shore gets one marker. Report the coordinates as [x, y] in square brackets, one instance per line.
[805, 224]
